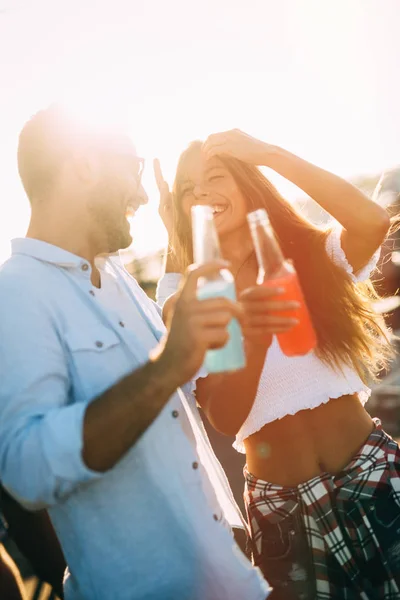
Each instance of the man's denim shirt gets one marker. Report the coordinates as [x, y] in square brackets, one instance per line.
[144, 529]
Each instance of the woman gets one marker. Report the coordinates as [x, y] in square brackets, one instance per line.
[322, 483]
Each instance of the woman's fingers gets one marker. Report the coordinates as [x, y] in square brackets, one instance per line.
[161, 183]
[214, 141]
[260, 300]
[258, 333]
[237, 144]
[270, 321]
[270, 306]
[165, 209]
[260, 293]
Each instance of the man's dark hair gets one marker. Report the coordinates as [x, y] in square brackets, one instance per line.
[46, 140]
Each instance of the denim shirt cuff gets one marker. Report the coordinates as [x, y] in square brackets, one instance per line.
[63, 444]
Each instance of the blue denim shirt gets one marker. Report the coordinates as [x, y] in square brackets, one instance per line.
[145, 529]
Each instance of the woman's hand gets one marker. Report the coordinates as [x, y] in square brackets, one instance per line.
[258, 321]
[263, 316]
[239, 145]
[165, 209]
[166, 212]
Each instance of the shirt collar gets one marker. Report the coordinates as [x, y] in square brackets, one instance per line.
[46, 252]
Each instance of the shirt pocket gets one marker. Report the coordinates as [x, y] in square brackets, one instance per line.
[98, 359]
[277, 540]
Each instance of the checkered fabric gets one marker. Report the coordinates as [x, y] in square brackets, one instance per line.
[351, 522]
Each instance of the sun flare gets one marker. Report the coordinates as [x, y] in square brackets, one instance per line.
[167, 81]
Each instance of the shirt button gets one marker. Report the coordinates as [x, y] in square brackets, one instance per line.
[99, 344]
[195, 465]
[292, 532]
[121, 324]
[91, 292]
[215, 517]
[175, 414]
[85, 267]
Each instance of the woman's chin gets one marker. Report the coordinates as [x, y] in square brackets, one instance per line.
[226, 228]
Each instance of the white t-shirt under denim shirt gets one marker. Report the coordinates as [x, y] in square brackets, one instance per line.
[291, 384]
[146, 529]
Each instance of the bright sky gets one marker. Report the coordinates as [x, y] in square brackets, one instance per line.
[318, 77]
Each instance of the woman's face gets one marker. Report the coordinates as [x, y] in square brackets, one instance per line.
[209, 182]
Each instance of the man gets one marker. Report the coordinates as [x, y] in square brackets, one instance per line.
[91, 425]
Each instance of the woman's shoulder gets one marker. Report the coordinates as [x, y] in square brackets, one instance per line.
[333, 247]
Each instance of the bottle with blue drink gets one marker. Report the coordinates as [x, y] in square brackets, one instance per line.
[206, 249]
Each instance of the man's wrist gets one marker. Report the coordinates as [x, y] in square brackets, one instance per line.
[165, 369]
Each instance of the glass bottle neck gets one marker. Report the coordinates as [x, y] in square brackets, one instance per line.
[271, 262]
[206, 247]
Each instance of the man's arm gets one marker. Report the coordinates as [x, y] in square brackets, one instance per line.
[48, 446]
[127, 409]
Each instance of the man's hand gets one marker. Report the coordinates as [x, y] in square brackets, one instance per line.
[196, 325]
[265, 315]
[115, 420]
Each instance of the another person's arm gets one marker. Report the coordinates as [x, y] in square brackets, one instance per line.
[365, 223]
[47, 446]
[227, 398]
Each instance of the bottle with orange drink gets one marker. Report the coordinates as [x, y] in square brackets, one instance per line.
[274, 271]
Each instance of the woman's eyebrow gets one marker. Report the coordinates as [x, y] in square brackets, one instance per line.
[207, 171]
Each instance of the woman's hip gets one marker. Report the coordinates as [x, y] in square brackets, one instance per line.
[339, 532]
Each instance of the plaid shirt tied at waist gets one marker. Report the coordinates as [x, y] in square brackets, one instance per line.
[341, 514]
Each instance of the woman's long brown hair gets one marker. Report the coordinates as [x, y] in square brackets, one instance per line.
[349, 332]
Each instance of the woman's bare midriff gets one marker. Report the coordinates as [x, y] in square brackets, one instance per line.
[291, 450]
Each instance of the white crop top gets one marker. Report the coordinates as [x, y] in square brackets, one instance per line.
[291, 384]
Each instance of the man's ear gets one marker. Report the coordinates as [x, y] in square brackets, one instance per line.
[86, 168]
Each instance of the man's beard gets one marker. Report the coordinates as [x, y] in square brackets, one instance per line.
[119, 240]
[110, 226]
